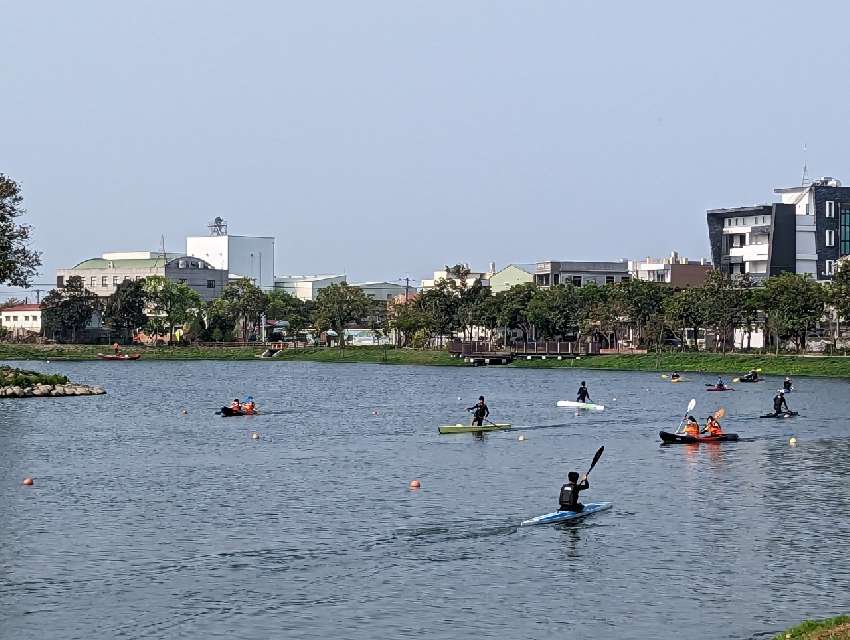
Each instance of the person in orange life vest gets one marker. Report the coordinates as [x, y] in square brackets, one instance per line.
[249, 407]
[713, 427]
[692, 427]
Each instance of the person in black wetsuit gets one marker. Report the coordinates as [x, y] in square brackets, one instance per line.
[568, 500]
[583, 395]
[778, 402]
[479, 412]
[787, 385]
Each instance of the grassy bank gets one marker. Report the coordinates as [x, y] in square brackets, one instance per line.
[837, 628]
[729, 365]
[10, 377]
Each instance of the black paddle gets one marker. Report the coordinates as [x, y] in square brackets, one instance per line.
[593, 464]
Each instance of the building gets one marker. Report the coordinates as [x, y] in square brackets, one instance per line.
[673, 270]
[443, 274]
[384, 291]
[21, 320]
[512, 275]
[306, 287]
[249, 257]
[806, 233]
[103, 275]
[580, 273]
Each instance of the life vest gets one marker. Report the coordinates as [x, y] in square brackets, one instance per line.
[248, 407]
[714, 429]
[692, 430]
[569, 495]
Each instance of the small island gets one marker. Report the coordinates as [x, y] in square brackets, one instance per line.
[20, 383]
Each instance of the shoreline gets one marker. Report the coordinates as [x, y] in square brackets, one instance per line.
[705, 363]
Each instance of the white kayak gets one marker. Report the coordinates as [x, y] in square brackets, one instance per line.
[580, 405]
[567, 516]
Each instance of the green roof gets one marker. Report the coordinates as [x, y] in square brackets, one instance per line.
[137, 263]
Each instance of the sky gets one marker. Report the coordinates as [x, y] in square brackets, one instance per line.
[387, 138]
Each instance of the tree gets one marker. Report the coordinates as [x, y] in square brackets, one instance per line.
[66, 312]
[722, 306]
[793, 304]
[470, 306]
[125, 308]
[339, 304]
[685, 310]
[406, 318]
[513, 307]
[283, 306]
[18, 263]
[439, 306]
[640, 301]
[839, 295]
[554, 311]
[173, 302]
[246, 304]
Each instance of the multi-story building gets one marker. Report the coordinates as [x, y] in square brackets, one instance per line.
[807, 232]
[306, 287]
[673, 270]
[249, 257]
[579, 273]
[510, 276]
[103, 275]
[21, 320]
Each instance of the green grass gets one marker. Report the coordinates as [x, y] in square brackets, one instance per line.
[837, 628]
[10, 377]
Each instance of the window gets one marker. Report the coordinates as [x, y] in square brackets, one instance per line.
[104, 282]
[556, 278]
[93, 282]
[210, 284]
[830, 209]
[829, 269]
[26, 318]
[845, 230]
[14, 318]
[8, 318]
[181, 264]
[114, 281]
[625, 278]
[60, 282]
[576, 281]
[830, 238]
[609, 279]
[181, 281]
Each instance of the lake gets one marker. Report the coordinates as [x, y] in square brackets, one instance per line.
[147, 523]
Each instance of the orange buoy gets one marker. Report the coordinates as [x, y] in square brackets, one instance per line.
[27, 481]
[415, 484]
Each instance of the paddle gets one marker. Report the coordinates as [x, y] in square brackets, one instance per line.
[717, 415]
[691, 406]
[593, 464]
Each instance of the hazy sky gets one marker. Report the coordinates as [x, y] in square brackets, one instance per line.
[381, 138]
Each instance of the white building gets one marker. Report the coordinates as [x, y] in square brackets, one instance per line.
[384, 291]
[21, 319]
[306, 287]
[443, 274]
[249, 257]
[673, 270]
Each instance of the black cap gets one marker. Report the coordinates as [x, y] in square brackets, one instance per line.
[572, 476]
[480, 397]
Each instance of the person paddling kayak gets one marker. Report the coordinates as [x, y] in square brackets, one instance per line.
[236, 405]
[752, 376]
[779, 401]
[583, 395]
[692, 427]
[712, 427]
[720, 384]
[568, 499]
[479, 412]
[675, 376]
[787, 385]
[249, 407]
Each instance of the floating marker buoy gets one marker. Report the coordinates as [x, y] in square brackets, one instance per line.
[184, 412]
[520, 438]
[255, 435]
[415, 484]
[793, 442]
[458, 397]
[613, 399]
[374, 413]
[27, 482]
[48, 361]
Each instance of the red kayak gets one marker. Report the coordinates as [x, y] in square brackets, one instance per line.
[119, 356]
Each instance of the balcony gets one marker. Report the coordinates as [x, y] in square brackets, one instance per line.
[751, 252]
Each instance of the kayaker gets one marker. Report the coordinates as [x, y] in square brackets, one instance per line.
[675, 376]
[249, 407]
[752, 376]
[712, 427]
[479, 412]
[117, 348]
[692, 427]
[568, 500]
[583, 395]
[720, 384]
[787, 385]
[779, 401]
[236, 405]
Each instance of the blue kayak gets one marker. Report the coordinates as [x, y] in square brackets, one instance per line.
[567, 516]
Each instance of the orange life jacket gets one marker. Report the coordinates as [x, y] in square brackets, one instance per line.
[692, 429]
[248, 407]
[714, 429]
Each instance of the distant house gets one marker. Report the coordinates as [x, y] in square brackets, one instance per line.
[383, 291]
[511, 275]
[306, 287]
[673, 270]
[442, 274]
[579, 273]
[21, 320]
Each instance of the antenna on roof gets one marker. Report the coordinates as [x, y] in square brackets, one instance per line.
[805, 181]
[218, 227]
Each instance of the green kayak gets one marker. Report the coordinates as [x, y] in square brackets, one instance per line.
[465, 428]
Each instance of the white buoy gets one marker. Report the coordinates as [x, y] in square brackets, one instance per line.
[255, 435]
[458, 398]
[793, 441]
[520, 438]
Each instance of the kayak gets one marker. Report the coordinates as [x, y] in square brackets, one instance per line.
[227, 412]
[781, 414]
[580, 405]
[120, 356]
[681, 438]
[567, 516]
[465, 428]
[750, 381]
[719, 389]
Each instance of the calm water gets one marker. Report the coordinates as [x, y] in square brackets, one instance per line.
[145, 523]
